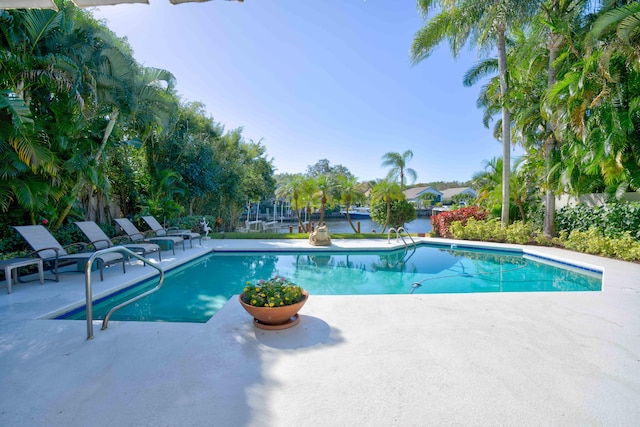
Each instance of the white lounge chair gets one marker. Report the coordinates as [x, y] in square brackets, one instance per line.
[99, 240]
[160, 231]
[136, 236]
[47, 247]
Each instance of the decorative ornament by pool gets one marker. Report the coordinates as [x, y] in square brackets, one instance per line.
[205, 227]
[320, 237]
[273, 303]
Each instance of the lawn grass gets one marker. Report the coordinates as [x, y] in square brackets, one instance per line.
[263, 236]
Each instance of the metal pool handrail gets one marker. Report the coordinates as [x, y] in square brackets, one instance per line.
[399, 235]
[87, 281]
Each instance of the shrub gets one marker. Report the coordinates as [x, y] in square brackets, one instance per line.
[612, 219]
[192, 223]
[492, 230]
[442, 221]
[592, 241]
[519, 232]
[402, 211]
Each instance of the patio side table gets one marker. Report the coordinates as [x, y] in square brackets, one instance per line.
[11, 267]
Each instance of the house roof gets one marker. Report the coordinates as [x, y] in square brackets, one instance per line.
[415, 192]
[450, 192]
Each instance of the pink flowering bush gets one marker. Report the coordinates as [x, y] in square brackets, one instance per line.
[442, 221]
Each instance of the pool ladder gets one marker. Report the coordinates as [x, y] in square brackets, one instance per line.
[87, 282]
[399, 236]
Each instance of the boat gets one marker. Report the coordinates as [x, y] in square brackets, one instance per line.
[357, 212]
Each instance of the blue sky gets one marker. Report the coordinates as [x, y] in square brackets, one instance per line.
[318, 79]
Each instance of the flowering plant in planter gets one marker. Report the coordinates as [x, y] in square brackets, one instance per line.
[274, 292]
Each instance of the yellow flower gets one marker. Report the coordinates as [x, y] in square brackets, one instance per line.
[271, 304]
[253, 302]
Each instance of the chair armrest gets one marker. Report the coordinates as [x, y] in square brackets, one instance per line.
[30, 254]
[93, 243]
[72, 246]
[121, 239]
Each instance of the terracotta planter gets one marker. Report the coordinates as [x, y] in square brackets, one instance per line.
[282, 317]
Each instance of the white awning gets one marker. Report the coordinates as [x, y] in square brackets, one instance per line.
[50, 4]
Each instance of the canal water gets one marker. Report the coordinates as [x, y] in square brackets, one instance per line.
[341, 225]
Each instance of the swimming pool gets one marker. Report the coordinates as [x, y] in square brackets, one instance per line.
[195, 291]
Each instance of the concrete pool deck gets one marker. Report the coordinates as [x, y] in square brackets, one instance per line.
[549, 358]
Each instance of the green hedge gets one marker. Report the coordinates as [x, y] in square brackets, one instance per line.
[612, 219]
[493, 231]
[592, 241]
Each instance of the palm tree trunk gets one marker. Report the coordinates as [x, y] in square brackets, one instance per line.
[386, 222]
[549, 229]
[349, 219]
[297, 211]
[506, 126]
[321, 212]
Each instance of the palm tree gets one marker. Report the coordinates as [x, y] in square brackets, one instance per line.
[107, 76]
[386, 191]
[30, 70]
[612, 118]
[489, 182]
[326, 186]
[398, 164]
[486, 26]
[350, 193]
[558, 17]
[289, 187]
[308, 194]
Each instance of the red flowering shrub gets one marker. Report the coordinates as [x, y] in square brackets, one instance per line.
[443, 220]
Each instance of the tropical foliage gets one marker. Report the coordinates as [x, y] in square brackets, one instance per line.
[493, 231]
[386, 192]
[398, 167]
[87, 132]
[442, 221]
[401, 212]
[322, 187]
[612, 219]
[564, 86]
[594, 242]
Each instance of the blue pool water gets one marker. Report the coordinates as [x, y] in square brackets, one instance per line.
[196, 291]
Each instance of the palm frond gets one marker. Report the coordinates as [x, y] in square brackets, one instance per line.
[18, 109]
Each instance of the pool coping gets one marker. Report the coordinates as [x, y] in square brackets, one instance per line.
[549, 358]
[554, 261]
[391, 246]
